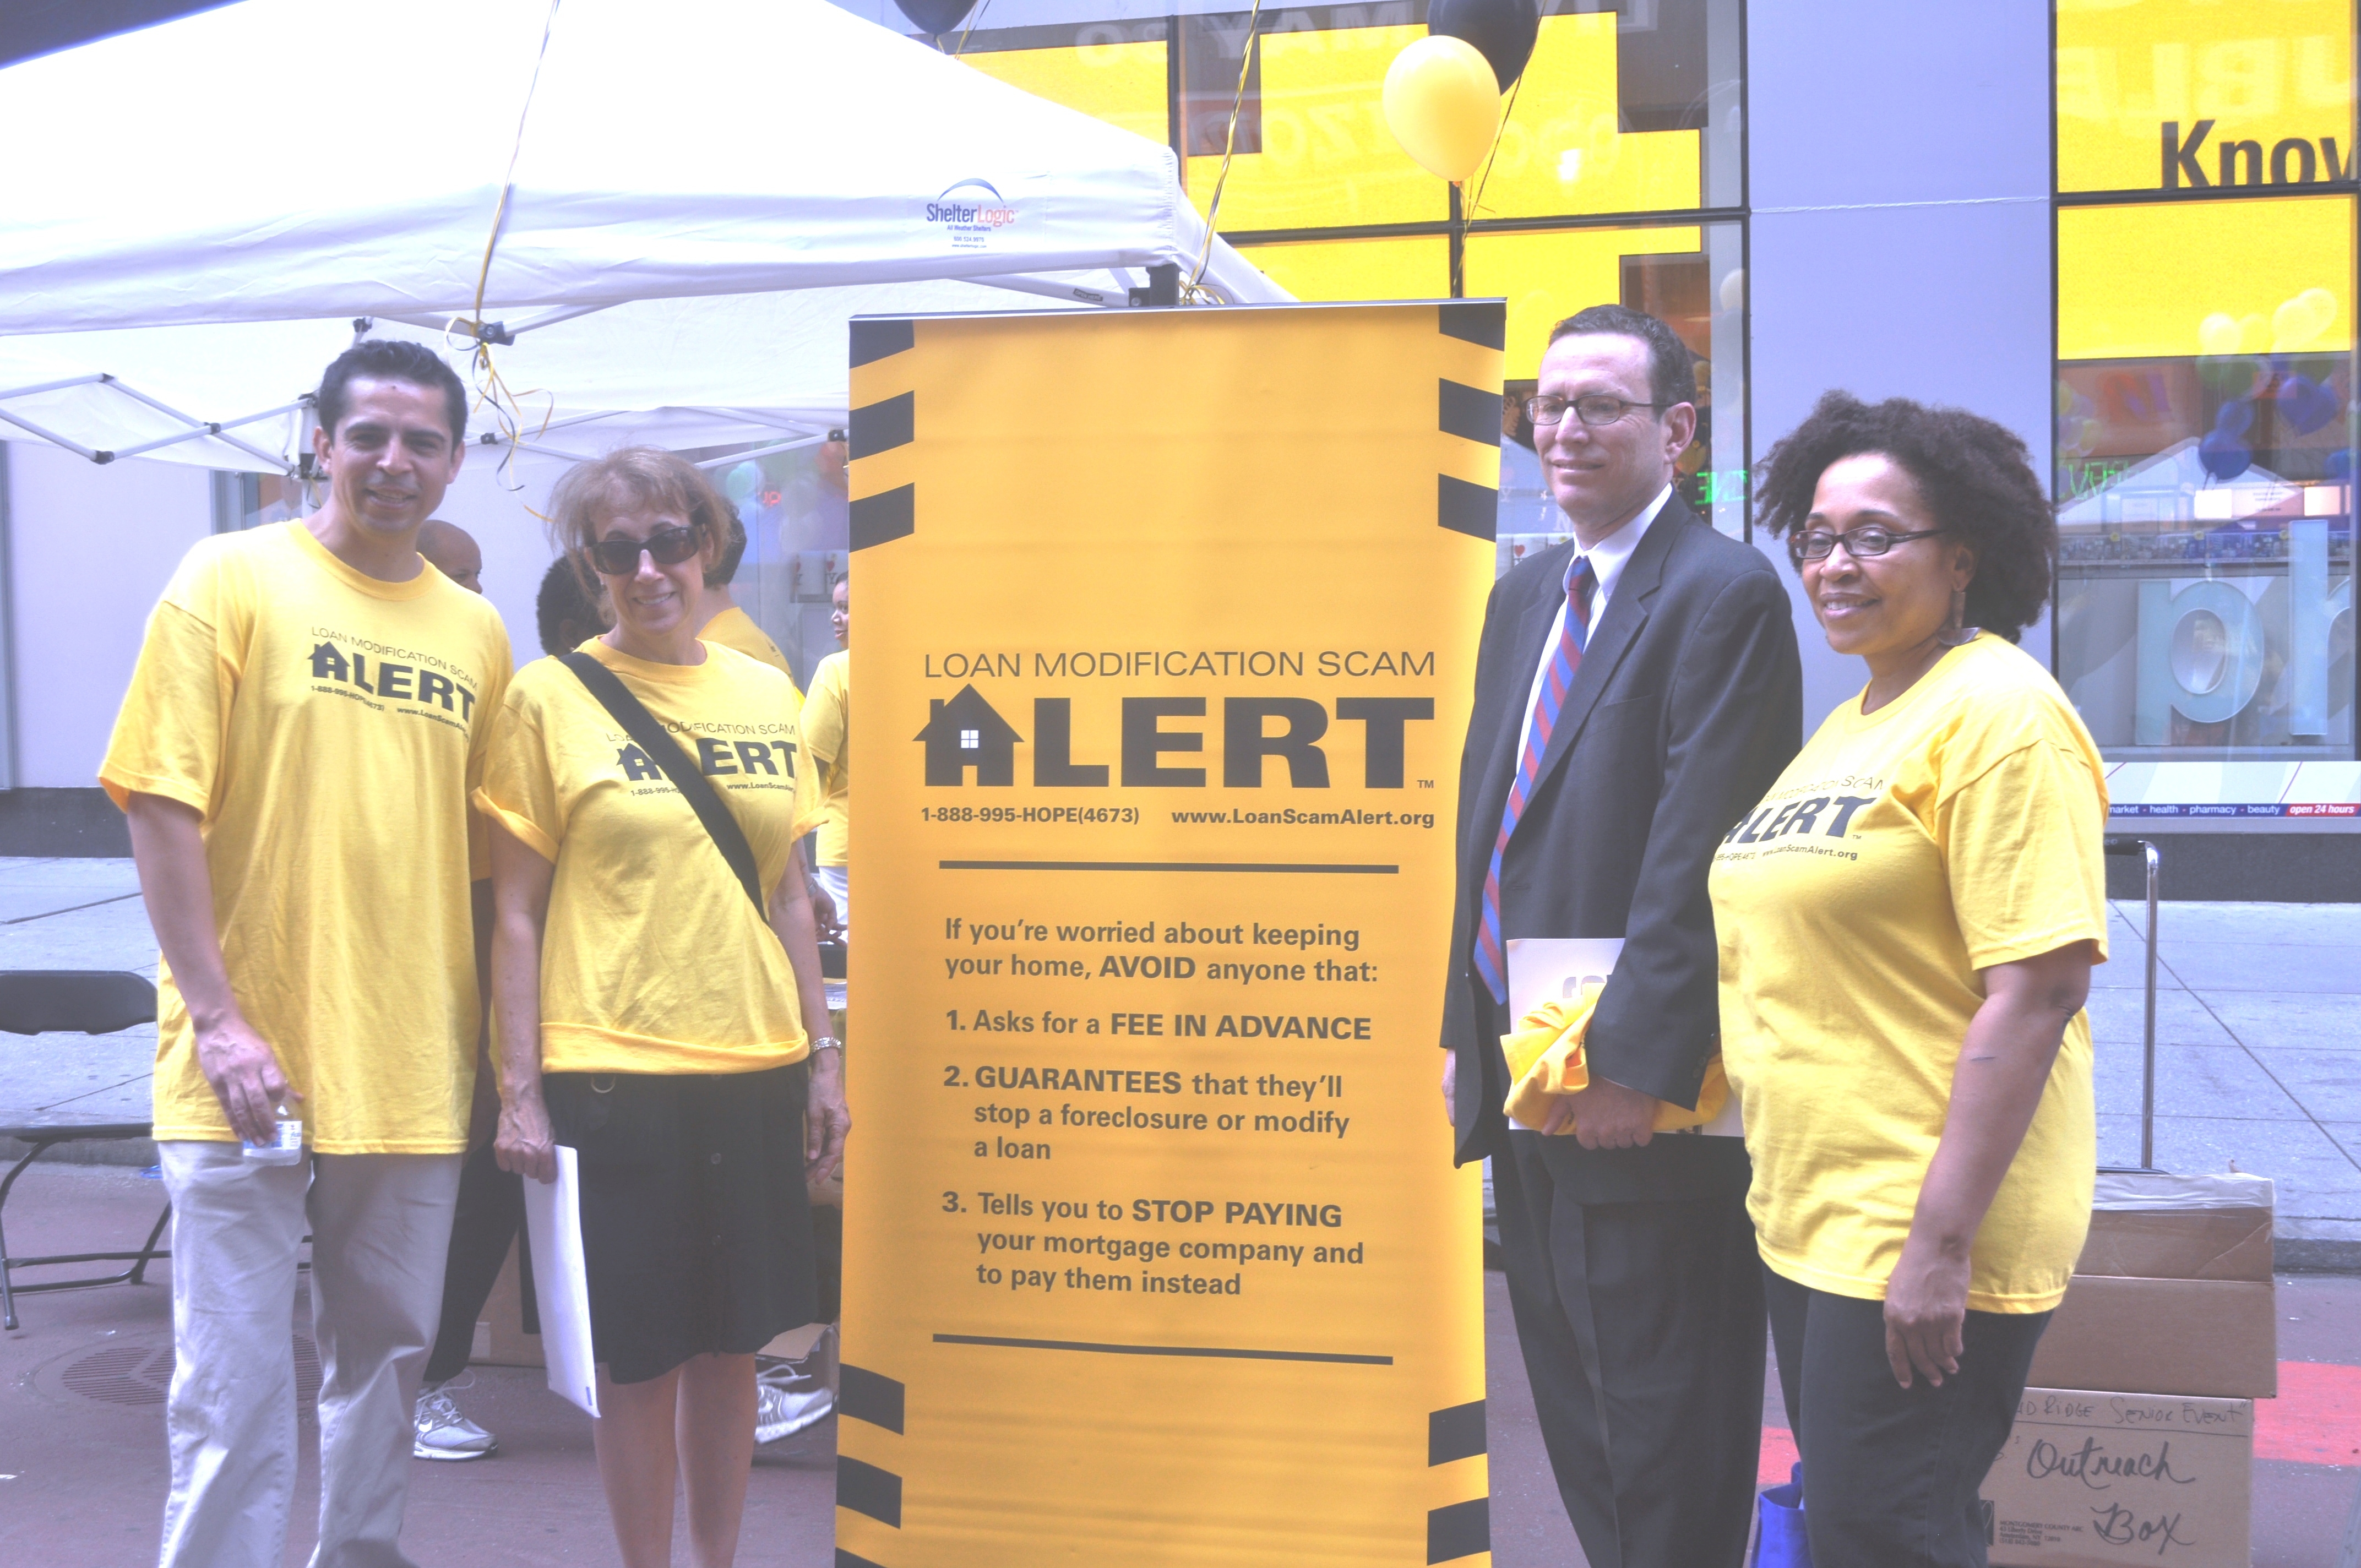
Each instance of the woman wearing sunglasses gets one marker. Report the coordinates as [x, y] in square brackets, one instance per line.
[1908, 924]
[652, 994]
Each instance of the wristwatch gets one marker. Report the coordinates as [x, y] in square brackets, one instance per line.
[826, 1042]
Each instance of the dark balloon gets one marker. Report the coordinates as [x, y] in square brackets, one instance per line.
[1502, 32]
[2225, 456]
[935, 18]
[2306, 404]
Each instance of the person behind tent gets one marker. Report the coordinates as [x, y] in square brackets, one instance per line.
[795, 1394]
[311, 707]
[726, 622]
[653, 969]
[490, 1209]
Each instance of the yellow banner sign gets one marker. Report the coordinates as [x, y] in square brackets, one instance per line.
[1154, 1252]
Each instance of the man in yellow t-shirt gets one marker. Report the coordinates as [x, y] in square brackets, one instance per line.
[311, 707]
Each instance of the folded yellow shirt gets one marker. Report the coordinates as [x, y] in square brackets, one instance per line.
[1546, 1061]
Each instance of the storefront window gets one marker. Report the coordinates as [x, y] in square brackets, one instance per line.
[1617, 177]
[2206, 420]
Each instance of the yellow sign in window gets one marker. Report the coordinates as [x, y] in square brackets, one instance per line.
[1122, 83]
[2166, 94]
[1340, 270]
[1546, 277]
[2179, 279]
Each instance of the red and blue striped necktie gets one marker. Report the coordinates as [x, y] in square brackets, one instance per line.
[1491, 957]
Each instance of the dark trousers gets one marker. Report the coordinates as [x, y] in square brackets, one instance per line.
[1641, 1325]
[490, 1214]
[1891, 1474]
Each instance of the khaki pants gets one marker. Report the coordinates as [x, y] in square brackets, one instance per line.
[380, 1227]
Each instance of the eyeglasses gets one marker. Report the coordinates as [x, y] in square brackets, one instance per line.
[1595, 410]
[1870, 539]
[621, 557]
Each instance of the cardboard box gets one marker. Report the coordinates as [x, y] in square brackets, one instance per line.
[2215, 1337]
[2094, 1480]
[2216, 1244]
[2173, 1294]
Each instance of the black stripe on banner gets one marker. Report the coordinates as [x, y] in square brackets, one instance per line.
[1484, 323]
[870, 1396]
[847, 1560]
[880, 520]
[881, 427]
[1463, 507]
[875, 340]
[1455, 1433]
[1470, 413]
[865, 1489]
[1463, 1529]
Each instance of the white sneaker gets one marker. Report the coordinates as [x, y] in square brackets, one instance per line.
[792, 1394]
[443, 1433]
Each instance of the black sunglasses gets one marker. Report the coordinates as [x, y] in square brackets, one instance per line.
[670, 546]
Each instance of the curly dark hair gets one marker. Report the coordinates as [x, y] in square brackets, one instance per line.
[1974, 474]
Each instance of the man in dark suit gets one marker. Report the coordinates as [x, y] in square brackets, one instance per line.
[1637, 690]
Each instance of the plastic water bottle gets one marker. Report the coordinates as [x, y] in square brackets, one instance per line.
[286, 1146]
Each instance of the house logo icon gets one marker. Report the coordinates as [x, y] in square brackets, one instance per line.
[964, 733]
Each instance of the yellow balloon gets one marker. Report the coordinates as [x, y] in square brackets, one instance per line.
[2254, 334]
[1443, 103]
[2292, 326]
[2298, 322]
[2218, 334]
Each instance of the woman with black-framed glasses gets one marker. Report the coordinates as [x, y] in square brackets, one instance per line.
[653, 968]
[1908, 924]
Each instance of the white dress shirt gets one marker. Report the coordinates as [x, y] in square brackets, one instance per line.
[1607, 558]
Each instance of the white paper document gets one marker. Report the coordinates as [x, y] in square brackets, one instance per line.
[561, 1285]
[1553, 968]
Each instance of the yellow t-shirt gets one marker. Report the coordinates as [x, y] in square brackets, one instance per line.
[329, 726]
[1959, 827]
[828, 723]
[654, 959]
[734, 627]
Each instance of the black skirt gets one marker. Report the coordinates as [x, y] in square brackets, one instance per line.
[697, 1231]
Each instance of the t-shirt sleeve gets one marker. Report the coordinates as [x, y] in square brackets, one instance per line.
[824, 720]
[169, 733]
[491, 703]
[519, 788]
[811, 791]
[2023, 844]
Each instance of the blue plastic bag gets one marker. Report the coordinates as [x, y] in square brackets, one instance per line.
[1781, 1541]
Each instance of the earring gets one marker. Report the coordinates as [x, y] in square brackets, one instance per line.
[1955, 635]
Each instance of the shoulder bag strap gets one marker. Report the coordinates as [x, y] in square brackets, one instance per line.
[667, 754]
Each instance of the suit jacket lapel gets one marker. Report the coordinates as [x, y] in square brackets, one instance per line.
[1626, 612]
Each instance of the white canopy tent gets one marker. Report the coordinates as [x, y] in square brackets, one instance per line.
[697, 197]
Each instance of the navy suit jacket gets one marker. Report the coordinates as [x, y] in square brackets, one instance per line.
[1687, 705]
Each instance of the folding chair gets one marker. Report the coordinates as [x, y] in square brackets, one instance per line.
[90, 1001]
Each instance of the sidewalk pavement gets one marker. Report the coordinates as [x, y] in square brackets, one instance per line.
[2257, 1057]
[82, 1464]
[2258, 1033]
[83, 1471]
[2258, 1040]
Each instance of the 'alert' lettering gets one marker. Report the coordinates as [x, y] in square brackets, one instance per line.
[430, 687]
